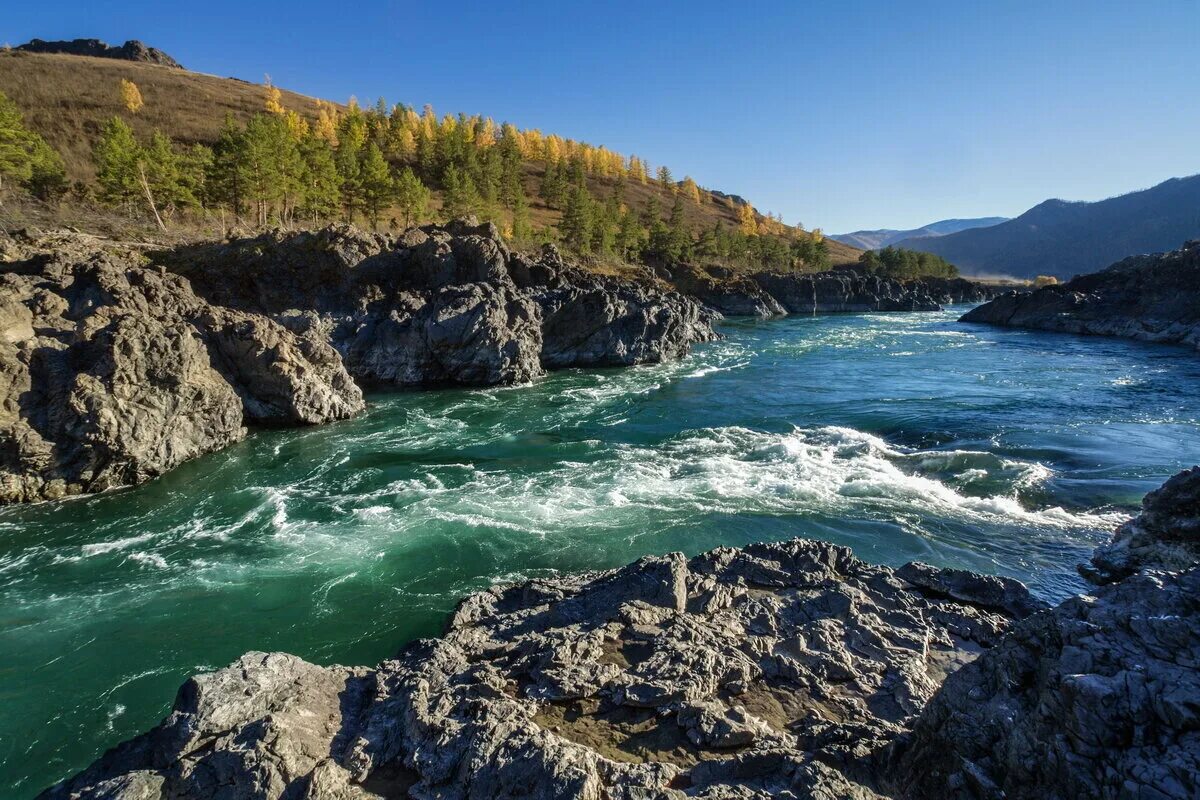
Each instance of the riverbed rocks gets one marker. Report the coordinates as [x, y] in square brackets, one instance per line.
[121, 361]
[771, 671]
[1154, 298]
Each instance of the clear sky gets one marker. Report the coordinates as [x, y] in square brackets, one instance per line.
[842, 115]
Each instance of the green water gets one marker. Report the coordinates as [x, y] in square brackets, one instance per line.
[904, 436]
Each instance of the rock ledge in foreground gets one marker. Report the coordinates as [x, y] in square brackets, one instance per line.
[775, 670]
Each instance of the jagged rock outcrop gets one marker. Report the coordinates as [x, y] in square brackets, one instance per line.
[1164, 536]
[1155, 298]
[112, 371]
[444, 304]
[132, 50]
[772, 671]
[768, 294]
[118, 363]
[1096, 698]
[1099, 698]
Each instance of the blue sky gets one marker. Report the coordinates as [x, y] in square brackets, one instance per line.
[839, 115]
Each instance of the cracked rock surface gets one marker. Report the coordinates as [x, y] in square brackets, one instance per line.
[777, 670]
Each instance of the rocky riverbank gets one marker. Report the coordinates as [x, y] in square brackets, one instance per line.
[775, 670]
[767, 294]
[1155, 298]
[120, 361]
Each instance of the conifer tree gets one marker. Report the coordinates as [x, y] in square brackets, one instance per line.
[629, 236]
[377, 185]
[116, 157]
[412, 196]
[273, 101]
[322, 185]
[25, 158]
[462, 198]
[522, 226]
[747, 222]
[577, 220]
[665, 179]
[227, 179]
[691, 190]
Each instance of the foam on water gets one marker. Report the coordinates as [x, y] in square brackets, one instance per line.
[995, 450]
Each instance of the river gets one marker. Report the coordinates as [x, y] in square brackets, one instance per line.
[904, 436]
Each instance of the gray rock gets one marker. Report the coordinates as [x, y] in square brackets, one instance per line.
[772, 671]
[118, 364]
[1098, 698]
[1155, 298]
[112, 372]
[1165, 535]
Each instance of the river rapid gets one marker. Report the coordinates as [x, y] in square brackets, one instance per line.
[904, 436]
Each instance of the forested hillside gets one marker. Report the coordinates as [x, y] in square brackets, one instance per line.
[185, 150]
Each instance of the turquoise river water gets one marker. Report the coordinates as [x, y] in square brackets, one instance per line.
[904, 436]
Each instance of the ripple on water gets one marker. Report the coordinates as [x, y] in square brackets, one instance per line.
[988, 449]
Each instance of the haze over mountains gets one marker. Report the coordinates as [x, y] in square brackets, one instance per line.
[874, 240]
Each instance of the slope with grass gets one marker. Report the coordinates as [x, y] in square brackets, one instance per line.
[68, 98]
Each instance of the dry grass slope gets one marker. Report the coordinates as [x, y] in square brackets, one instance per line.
[68, 98]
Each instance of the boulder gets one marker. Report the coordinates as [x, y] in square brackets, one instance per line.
[1164, 536]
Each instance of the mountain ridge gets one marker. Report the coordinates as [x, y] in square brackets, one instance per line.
[882, 237]
[1066, 238]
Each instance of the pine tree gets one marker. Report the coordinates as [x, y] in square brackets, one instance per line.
[377, 185]
[227, 178]
[131, 96]
[577, 220]
[462, 198]
[522, 226]
[321, 196]
[629, 236]
[25, 158]
[116, 156]
[161, 172]
[665, 179]
[265, 185]
[412, 197]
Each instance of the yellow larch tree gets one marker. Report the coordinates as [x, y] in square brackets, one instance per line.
[274, 98]
[747, 221]
[690, 189]
[131, 96]
[327, 122]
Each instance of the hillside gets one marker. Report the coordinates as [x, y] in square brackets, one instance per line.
[874, 240]
[68, 98]
[1063, 238]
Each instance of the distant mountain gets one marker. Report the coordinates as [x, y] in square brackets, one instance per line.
[873, 240]
[1063, 238]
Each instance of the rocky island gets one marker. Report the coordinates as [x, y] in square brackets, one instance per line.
[1154, 298]
[777, 670]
